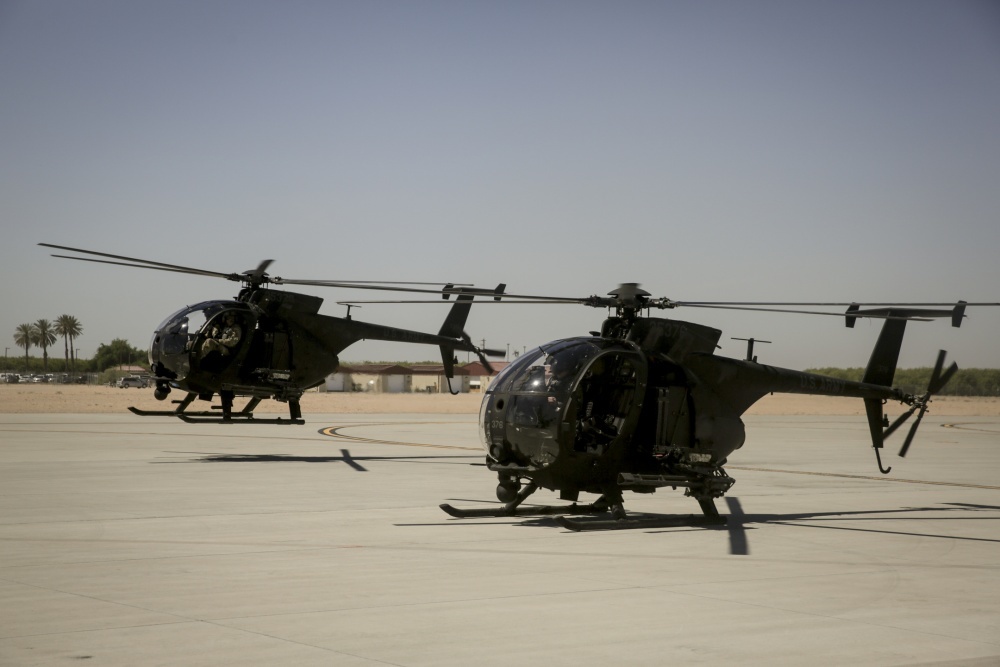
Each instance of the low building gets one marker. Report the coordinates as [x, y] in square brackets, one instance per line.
[430, 378]
[479, 377]
[378, 378]
[398, 378]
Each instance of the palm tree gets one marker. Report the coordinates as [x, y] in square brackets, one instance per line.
[44, 338]
[61, 331]
[69, 328]
[24, 336]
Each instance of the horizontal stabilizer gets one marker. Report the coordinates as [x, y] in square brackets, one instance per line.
[898, 313]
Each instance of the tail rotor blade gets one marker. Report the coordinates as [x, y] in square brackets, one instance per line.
[900, 420]
[938, 365]
[486, 364]
[913, 432]
[937, 382]
[945, 377]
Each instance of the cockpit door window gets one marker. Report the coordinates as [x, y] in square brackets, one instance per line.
[604, 395]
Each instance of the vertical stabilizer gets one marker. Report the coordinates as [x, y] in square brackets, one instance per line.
[881, 370]
[454, 324]
[882, 365]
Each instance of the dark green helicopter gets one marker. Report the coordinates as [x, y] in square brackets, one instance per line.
[646, 403]
[269, 344]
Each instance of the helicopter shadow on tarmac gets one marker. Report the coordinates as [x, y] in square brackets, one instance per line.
[345, 457]
[738, 521]
[737, 524]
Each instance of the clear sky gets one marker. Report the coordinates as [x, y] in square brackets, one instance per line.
[710, 150]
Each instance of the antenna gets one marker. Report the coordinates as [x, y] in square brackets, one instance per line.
[750, 342]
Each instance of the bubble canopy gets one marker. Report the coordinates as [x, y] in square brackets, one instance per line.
[571, 399]
[173, 341]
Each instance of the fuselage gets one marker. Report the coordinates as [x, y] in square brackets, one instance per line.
[575, 413]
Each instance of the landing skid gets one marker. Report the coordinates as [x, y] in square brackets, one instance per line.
[223, 414]
[235, 418]
[608, 504]
[535, 510]
[513, 508]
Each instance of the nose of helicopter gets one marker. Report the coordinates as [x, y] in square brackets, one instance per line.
[168, 356]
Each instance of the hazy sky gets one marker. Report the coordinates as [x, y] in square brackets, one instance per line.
[833, 151]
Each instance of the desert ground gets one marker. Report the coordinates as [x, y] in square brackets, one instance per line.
[77, 399]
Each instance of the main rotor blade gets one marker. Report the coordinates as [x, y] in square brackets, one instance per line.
[801, 312]
[138, 263]
[484, 292]
[448, 303]
[257, 273]
[887, 304]
[506, 298]
[356, 283]
[145, 266]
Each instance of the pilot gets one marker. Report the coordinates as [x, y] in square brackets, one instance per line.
[559, 372]
[558, 375]
[225, 340]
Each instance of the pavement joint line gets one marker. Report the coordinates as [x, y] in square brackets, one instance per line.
[866, 477]
[842, 619]
[653, 588]
[220, 623]
[51, 589]
[88, 630]
[886, 532]
[182, 621]
[459, 601]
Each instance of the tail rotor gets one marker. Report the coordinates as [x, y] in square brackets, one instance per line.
[919, 405]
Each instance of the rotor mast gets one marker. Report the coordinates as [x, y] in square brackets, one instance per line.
[628, 300]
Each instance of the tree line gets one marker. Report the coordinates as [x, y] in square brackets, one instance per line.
[45, 334]
[966, 382]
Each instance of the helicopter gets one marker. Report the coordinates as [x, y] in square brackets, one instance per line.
[269, 344]
[645, 403]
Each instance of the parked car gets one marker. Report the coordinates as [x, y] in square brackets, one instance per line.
[133, 381]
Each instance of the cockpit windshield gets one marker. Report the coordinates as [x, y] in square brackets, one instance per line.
[575, 393]
[546, 370]
[174, 340]
[179, 328]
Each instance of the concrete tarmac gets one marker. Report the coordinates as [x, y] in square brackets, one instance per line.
[147, 541]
